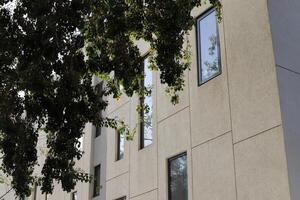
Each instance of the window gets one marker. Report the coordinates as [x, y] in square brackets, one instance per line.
[98, 131]
[146, 123]
[74, 196]
[120, 145]
[80, 140]
[97, 186]
[122, 198]
[208, 46]
[177, 178]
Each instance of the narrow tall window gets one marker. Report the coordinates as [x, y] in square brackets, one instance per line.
[74, 196]
[208, 46]
[97, 187]
[120, 145]
[177, 178]
[98, 130]
[146, 130]
[80, 140]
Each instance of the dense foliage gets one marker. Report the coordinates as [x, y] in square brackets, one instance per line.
[49, 52]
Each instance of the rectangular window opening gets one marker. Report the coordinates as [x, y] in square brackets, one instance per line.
[74, 196]
[208, 47]
[177, 178]
[120, 145]
[97, 186]
[98, 131]
[146, 103]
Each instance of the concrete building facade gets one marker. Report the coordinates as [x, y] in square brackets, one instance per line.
[239, 130]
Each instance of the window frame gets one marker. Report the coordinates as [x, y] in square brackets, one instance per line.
[95, 193]
[142, 124]
[169, 160]
[118, 147]
[72, 195]
[141, 114]
[198, 47]
[98, 131]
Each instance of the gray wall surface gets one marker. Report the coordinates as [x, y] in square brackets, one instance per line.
[285, 27]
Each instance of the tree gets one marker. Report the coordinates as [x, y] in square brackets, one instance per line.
[51, 49]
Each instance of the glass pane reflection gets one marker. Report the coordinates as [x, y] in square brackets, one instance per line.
[178, 184]
[120, 145]
[208, 47]
[97, 171]
[147, 136]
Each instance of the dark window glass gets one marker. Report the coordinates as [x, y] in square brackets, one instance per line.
[98, 131]
[97, 186]
[177, 173]
[74, 196]
[120, 145]
[146, 136]
[209, 60]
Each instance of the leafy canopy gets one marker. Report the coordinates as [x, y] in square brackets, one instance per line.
[49, 52]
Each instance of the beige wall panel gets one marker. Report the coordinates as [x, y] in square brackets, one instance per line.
[173, 139]
[261, 169]
[4, 188]
[117, 187]
[100, 148]
[147, 196]
[213, 170]
[143, 167]
[143, 46]
[200, 9]
[210, 113]
[85, 163]
[83, 191]
[115, 104]
[113, 167]
[58, 193]
[99, 157]
[39, 194]
[143, 171]
[251, 68]
[164, 106]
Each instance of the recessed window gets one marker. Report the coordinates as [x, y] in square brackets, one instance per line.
[98, 131]
[146, 102]
[80, 140]
[97, 187]
[208, 47]
[120, 145]
[177, 178]
[74, 196]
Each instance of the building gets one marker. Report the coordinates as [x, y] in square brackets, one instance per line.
[235, 133]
